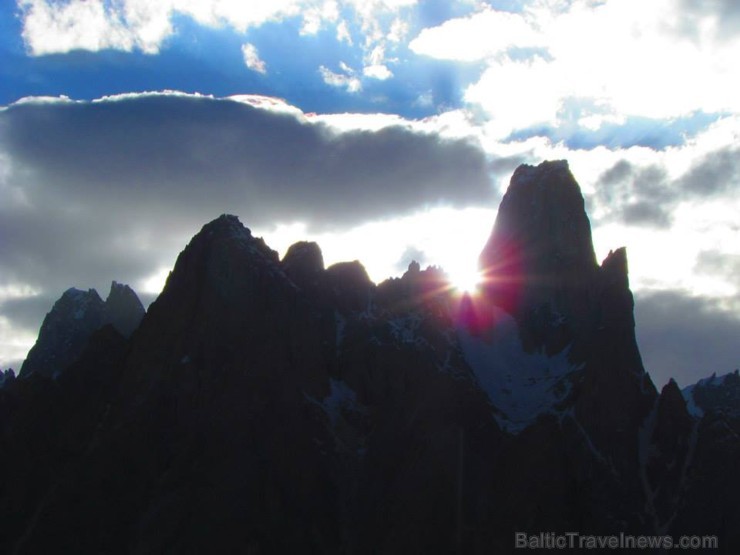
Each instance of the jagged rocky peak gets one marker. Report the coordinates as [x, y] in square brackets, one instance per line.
[223, 254]
[64, 332]
[614, 268]
[615, 303]
[226, 224]
[541, 246]
[228, 228]
[224, 280]
[73, 319]
[79, 302]
[672, 404]
[123, 309]
[416, 288]
[303, 262]
[431, 274]
[666, 454]
[715, 394]
[539, 261]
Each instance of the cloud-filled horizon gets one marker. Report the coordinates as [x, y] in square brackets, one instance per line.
[385, 130]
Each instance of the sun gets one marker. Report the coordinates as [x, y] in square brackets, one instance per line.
[465, 279]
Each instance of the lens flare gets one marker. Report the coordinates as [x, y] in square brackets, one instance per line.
[465, 280]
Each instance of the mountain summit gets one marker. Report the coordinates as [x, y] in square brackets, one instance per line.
[539, 260]
[277, 406]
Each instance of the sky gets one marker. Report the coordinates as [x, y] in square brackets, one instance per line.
[385, 130]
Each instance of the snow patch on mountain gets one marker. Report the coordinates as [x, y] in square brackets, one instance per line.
[521, 385]
[691, 406]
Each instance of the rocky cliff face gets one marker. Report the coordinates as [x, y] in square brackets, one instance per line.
[274, 406]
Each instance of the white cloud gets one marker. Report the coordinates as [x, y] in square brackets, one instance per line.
[346, 80]
[239, 15]
[57, 27]
[375, 67]
[51, 26]
[518, 95]
[315, 17]
[252, 59]
[379, 71]
[342, 123]
[343, 34]
[625, 57]
[77, 24]
[425, 100]
[399, 30]
[477, 37]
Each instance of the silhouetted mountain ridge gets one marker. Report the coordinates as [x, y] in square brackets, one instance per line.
[278, 406]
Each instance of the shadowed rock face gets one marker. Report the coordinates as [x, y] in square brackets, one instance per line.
[268, 406]
[539, 262]
[123, 309]
[303, 263]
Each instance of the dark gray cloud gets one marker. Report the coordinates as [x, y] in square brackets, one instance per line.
[646, 196]
[200, 156]
[684, 337]
[507, 164]
[717, 263]
[646, 213]
[636, 195]
[619, 172]
[113, 189]
[715, 173]
[724, 13]
[24, 312]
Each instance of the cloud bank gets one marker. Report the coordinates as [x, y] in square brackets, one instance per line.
[113, 189]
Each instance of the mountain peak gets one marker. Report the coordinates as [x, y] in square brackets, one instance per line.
[228, 228]
[541, 229]
[123, 309]
[303, 262]
[226, 224]
[715, 394]
[64, 332]
[540, 258]
[526, 172]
